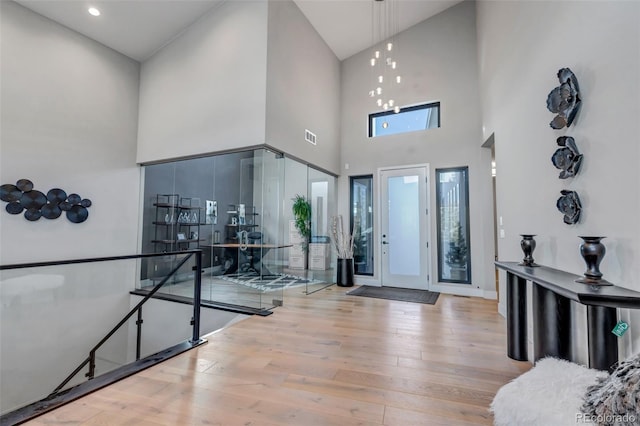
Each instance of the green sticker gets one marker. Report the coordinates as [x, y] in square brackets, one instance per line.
[620, 328]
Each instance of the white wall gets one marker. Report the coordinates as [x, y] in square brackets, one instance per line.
[519, 59]
[69, 120]
[205, 92]
[303, 88]
[437, 59]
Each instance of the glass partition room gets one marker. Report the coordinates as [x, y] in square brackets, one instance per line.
[237, 207]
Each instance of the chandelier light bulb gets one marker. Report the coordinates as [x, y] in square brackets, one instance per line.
[389, 61]
[385, 106]
[377, 54]
[391, 102]
[379, 102]
[393, 65]
[380, 79]
[373, 62]
[398, 79]
[379, 90]
[372, 93]
[389, 46]
[396, 109]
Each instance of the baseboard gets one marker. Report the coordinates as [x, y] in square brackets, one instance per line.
[458, 290]
[490, 294]
[502, 309]
[364, 280]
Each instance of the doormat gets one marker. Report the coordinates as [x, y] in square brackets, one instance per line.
[269, 282]
[394, 293]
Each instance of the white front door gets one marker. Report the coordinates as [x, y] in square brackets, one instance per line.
[404, 227]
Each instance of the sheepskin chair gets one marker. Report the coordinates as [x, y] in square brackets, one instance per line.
[550, 394]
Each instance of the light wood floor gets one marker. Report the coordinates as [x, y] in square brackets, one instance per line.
[323, 359]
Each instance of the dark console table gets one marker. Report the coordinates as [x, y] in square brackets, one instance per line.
[552, 293]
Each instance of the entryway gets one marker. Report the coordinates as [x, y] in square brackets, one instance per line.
[404, 227]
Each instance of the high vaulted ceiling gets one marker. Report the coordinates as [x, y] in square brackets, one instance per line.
[139, 28]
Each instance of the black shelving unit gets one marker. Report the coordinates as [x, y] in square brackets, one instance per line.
[236, 223]
[177, 223]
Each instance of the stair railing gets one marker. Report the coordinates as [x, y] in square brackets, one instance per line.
[195, 321]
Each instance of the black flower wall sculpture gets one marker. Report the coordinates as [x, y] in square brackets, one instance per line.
[569, 205]
[564, 100]
[35, 204]
[567, 158]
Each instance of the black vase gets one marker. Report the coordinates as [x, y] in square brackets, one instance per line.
[528, 245]
[592, 251]
[344, 276]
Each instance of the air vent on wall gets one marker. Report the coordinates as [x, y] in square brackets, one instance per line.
[309, 136]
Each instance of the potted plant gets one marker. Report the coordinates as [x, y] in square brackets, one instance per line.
[302, 215]
[344, 243]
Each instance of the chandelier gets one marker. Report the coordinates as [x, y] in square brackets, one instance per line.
[384, 65]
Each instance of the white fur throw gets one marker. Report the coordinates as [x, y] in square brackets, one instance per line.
[615, 400]
[550, 394]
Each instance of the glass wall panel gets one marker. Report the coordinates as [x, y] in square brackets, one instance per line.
[51, 317]
[361, 195]
[322, 197]
[228, 206]
[238, 209]
[454, 256]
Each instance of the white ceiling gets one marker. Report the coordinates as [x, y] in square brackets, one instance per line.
[139, 28]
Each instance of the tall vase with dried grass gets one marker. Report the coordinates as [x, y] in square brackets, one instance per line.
[343, 242]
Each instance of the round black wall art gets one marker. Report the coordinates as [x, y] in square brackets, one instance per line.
[35, 204]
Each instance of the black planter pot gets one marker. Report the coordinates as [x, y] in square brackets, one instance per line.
[344, 275]
[528, 245]
[592, 251]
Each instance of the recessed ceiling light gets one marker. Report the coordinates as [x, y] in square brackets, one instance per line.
[94, 11]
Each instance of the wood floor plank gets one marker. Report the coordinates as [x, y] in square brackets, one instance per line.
[323, 359]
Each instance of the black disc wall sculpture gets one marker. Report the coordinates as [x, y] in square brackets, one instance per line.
[35, 204]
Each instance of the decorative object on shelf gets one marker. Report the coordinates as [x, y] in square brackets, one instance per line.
[528, 245]
[569, 205]
[211, 212]
[592, 251]
[344, 242]
[564, 100]
[567, 158]
[35, 204]
[177, 222]
[302, 215]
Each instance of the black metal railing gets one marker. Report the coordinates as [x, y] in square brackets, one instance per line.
[195, 322]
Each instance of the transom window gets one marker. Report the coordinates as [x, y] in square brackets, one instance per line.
[409, 119]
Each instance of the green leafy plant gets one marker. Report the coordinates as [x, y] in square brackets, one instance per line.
[302, 215]
[457, 254]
